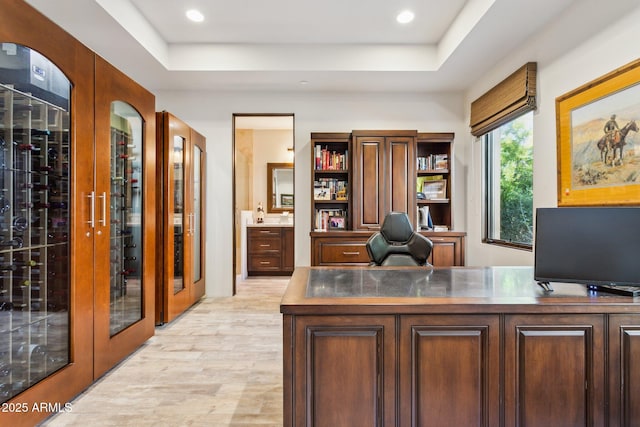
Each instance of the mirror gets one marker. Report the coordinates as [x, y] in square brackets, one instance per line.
[279, 187]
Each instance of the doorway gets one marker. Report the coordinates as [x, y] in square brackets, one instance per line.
[263, 170]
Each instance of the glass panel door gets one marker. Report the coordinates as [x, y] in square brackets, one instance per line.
[197, 213]
[126, 203]
[34, 219]
[178, 152]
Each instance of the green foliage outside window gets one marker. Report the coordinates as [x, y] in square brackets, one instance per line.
[516, 181]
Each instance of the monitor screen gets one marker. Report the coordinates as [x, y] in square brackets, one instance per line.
[599, 245]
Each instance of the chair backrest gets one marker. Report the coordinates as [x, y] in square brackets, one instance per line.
[397, 243]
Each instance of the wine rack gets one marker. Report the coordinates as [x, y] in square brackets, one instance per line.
[34, 240]
[125, 234]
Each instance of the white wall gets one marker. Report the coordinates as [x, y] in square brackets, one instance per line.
[210, 113]
[610, 47]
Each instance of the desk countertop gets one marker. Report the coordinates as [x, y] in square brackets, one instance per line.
[326, 290]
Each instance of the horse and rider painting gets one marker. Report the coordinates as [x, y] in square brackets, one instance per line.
[605, 144]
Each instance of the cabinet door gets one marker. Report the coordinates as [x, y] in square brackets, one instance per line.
[554, 370]
[369, 195]
[124, 216]
[287, 249]
[344, 371]
[447, 251]
[449, 371]
[624, 375]
[400, 176]
[46, 174]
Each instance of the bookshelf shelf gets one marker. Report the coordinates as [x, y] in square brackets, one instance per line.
[331, 187]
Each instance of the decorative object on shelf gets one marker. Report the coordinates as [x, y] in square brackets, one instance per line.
[337, 223]
[597, 134]
[259, 213]
[435, 190]
[424, 218]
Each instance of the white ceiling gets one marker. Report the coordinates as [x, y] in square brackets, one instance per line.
[333, 45]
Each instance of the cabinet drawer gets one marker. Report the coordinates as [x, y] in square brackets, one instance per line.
[265, 244]
[343, 253]
[253, 232]
[264, 262]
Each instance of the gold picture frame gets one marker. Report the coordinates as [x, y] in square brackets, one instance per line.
[597, 163]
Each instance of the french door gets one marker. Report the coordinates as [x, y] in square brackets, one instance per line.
[182, 271]
[46, 172]
[123, 216]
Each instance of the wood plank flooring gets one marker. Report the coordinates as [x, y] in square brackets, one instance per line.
[219, 364]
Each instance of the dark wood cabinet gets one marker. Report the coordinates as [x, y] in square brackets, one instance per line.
[472, 346]
[384, 165]
[379, 172]
[269, 250]
[349, 248]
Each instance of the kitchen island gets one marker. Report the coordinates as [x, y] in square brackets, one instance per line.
[458, 346]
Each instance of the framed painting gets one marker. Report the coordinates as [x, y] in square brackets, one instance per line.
[598, 141]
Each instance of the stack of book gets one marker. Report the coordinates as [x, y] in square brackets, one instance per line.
[330, 160]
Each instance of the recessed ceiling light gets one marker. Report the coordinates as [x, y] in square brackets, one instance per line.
[405, 17]
[303, 82]
[195, 15]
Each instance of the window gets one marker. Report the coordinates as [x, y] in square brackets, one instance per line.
[508, 183]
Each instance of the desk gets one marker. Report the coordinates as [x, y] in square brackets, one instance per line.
[456, 346]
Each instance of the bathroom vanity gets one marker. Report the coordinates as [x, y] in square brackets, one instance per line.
[270, 249]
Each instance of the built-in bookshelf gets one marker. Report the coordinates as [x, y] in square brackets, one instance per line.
[433, 184]
[331, 201]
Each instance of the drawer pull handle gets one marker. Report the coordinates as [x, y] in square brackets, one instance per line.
[437, 239]
[351, 253]
[265, 246]
[265, 262]
[265, 231]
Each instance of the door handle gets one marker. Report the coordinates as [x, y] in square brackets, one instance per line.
[92, 216]
[103, 217]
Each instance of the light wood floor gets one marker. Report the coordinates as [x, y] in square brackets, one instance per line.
[219, 364]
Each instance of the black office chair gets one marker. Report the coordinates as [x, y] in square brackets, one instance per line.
[398, 244]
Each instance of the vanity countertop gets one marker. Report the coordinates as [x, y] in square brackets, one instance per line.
[271, 224]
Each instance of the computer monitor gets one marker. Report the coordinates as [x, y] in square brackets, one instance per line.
[598, 246]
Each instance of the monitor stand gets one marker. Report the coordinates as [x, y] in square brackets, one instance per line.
[629, 291]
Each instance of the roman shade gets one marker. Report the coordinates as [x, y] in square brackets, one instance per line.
[510, 98]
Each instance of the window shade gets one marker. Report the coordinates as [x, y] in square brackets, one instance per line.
[510, 98]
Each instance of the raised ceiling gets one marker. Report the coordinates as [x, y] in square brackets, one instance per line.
[331, 45]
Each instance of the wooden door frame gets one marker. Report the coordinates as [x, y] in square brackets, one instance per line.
[233, 180]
